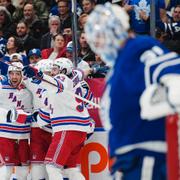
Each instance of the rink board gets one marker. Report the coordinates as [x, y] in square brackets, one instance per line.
[95, 160]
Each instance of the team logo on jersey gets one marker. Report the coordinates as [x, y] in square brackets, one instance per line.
[13, 98]
[142, 6]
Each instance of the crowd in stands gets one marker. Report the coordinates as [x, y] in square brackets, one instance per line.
[43, 29]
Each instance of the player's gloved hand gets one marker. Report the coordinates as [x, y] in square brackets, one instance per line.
[32, 72]
[34, 116]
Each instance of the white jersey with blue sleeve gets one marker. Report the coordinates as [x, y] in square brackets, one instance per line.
[13, 98]
[66, 111]
[39, 102]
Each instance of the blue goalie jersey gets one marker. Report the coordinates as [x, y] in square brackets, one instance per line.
[141, 62]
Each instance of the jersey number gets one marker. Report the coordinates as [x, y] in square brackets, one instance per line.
[80, 107]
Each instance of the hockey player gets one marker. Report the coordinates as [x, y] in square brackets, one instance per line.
[62, 66]
[137, 145]
[15, 100]
[65, 66]
[40, 137]
[70, 123]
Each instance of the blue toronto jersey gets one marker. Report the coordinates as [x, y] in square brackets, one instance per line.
[138, 65]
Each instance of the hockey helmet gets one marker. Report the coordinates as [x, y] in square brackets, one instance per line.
[65, 65]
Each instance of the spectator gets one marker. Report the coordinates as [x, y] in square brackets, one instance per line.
[81, 64]
[82, 20]
[8, 5]
[41, 9]
[171, 31]
[85, 52]
[67, 33]
[139, 12]
[36, 26]
[176, 14]
[7, 28]
[58, 49]
[34, 56]
[54, 9]
[18, 13]
[26, 39]
[15, 46]
[29, 15]
[64, 14]
[88, 6]
[160, 8]
[170, 5]
[54, 27]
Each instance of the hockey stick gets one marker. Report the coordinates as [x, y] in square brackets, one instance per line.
[55, 85]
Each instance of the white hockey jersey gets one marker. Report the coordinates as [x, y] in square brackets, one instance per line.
[38, 102]
[67, 112]
[14, 98]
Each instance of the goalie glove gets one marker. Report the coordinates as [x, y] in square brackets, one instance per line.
[172, 83]
[154, 103]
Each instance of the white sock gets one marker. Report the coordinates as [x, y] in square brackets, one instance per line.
[74, 174]
[54, 173]
[38, 171]
[5, 172]
[22, 172]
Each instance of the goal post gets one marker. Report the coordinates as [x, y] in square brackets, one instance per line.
[173, 145]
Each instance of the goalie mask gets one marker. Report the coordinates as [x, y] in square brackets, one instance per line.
[106, 30]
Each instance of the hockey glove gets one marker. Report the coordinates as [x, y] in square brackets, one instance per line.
[32, 72]
[34, 116]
